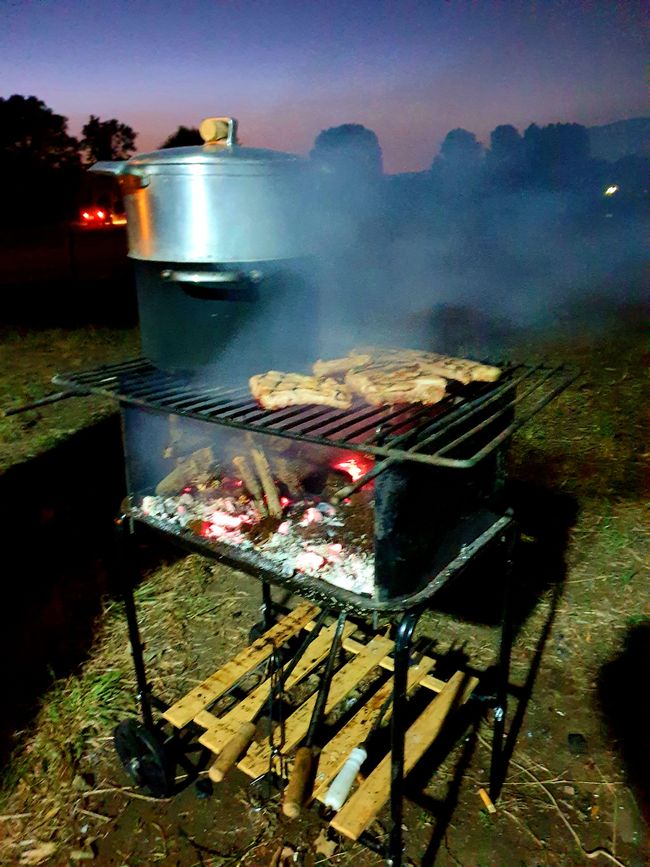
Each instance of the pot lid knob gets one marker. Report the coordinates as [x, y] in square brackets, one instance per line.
[219, 129]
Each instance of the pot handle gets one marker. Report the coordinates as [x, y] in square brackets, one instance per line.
[217, 285]
[215, 130]
[211, 276]
[118, 168]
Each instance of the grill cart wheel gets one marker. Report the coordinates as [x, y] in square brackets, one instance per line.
[144, 758]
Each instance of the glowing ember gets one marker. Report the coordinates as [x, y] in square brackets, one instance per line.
[309, 561]
[221, 525]
[355, 467]
[228, 522]
[334, 553]
[284, 501]
[311, 516]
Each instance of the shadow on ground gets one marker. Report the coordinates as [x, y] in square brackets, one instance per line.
[545, 519]
[58, 513]
[621, 686]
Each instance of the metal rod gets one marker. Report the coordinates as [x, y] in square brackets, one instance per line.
[267, 605]
[323, 692]
[497, 770]
[242, 739]
[301, 773]
[42, 401]
[398, 734]
[126, 579]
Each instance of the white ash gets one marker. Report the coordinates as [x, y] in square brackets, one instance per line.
[227, 519]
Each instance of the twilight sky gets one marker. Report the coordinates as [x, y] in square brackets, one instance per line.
[411, 70]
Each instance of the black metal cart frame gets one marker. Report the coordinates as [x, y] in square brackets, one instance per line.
[405, 614]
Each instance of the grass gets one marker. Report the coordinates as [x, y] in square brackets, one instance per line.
[28, 361]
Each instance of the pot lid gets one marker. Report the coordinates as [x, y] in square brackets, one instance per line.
[221, 147]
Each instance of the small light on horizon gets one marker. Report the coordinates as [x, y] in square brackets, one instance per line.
[609, 191]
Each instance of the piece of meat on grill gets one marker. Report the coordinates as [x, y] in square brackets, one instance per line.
[341, 365]
[462, 370]
[391, 383]
[276, 390]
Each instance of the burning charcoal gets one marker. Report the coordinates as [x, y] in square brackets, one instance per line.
[227, 521]
[261, 531]
[355, 467]
[197, 527]
[327, 509]
[311, 516]
[309, 561]
[149, 505]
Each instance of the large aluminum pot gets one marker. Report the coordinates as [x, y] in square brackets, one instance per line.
[218, 202]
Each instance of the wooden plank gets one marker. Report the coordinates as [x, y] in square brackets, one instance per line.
[220, 730]
[355, 731]
[366, 802]
[435, 684]
[206, 719]
[181, 713]
[256, 761]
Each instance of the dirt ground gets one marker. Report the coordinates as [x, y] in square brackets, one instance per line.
[577, 785]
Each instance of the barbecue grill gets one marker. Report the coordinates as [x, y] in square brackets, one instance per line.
[437, 471]
[455, 450]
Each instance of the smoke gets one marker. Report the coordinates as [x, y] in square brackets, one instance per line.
[472, 273]
[403, 261]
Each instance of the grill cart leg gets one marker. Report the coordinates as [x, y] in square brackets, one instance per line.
[402, 657]
[267, 606]
[144, 755]
[127, 578]
[497, 770]
[267, 610]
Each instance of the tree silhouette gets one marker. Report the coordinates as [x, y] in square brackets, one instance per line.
[39, 162]
[183, 137]
[350, 149]
[106, 140]
[556, 155]
[460, 150]
[456, 171]
[504, 161]
[31, 134]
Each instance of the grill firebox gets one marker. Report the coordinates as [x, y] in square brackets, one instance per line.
[375, 500]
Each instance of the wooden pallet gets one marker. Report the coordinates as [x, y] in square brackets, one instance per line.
[364, 804]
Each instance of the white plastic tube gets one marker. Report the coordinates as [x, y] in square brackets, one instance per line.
[338, 792]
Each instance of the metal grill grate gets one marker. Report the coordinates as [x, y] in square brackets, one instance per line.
[431, 435]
